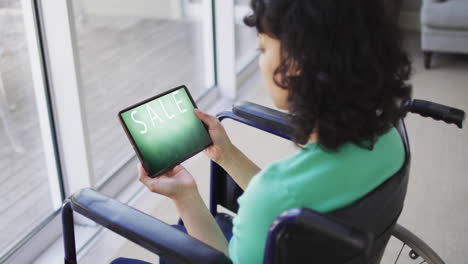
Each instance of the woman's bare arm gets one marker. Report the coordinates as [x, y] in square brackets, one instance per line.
[228, 156]
[200, 223]
[179, 185]
[239, 166]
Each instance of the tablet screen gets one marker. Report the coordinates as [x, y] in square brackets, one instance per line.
[164, 130]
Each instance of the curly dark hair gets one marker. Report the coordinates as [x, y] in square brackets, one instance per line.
[353, 69]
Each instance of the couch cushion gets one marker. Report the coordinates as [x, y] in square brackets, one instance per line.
[450, 14]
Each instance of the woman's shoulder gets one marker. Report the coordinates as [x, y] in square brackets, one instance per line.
[314, 161]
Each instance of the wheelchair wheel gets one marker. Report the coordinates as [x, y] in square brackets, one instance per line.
[418, 251]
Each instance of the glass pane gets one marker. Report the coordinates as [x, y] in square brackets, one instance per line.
[25, 195]
[246, 37]
[129, 51]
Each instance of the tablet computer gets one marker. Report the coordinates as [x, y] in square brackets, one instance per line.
[164, 130]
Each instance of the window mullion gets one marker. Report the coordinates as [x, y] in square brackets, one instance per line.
[42, 101]
[225, 48]
[64, 80]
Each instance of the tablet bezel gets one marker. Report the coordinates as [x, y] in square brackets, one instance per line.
[135, 146]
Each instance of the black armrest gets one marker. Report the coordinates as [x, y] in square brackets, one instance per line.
[261, 117]
[144, 230]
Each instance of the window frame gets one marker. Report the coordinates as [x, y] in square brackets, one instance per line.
[47, 229]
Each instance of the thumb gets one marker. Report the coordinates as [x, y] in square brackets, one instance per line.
[176, 169]
[209, 120]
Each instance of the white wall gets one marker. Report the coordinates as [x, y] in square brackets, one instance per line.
[160, 9]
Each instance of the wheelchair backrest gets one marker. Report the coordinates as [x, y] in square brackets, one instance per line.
[374, 214]
[357, 233]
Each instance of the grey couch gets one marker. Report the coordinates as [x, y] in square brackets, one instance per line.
[444, 26]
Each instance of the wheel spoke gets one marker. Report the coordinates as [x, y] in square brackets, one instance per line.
[400, 253]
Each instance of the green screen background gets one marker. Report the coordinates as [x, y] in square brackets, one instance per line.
[166, 141]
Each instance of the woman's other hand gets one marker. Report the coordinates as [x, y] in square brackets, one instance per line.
[177, 184]
[222, 145]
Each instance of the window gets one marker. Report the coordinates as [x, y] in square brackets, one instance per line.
[28, 174]
[245, 37]
[67, 68]
[129, 51]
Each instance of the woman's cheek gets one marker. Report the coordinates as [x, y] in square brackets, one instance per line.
[261, 63]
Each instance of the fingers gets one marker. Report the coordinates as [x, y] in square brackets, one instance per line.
[209, 120]
[141, 171]
[143, 176]
[176, 169]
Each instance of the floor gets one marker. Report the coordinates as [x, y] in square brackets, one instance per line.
[435, 207]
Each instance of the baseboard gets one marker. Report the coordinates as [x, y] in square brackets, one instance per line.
[410, 21]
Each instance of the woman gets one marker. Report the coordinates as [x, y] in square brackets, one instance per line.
[338, 67]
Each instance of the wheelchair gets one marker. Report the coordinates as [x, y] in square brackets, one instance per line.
[357, 233]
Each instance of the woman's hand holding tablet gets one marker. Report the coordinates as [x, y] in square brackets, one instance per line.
[167, 129]
[177, 183]
[222, 145]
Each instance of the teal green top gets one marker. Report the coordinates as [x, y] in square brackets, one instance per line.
[311, 178]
